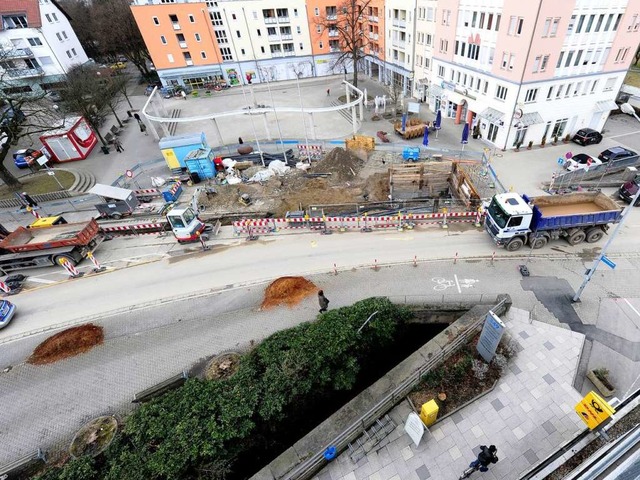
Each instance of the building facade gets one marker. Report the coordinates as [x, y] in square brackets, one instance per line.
[424, 42]
[531, 71]
[37, 45]
[400, 43]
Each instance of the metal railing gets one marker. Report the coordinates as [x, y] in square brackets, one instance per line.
[308, 468]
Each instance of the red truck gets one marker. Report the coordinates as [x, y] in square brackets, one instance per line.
[44, 246]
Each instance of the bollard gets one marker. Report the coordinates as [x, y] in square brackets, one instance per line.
[455, 259]
[493, 256]
[375, 265]
[335, 269]
[415, 260]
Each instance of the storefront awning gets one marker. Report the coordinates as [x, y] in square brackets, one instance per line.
[436, 90]
[606, 106]
[530, 119]
[492, 115]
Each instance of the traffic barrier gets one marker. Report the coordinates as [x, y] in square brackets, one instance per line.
[493, 256]
[134, 228]
[33, 212]
[72, 270]
[335, 269]
[415, 260]
[96, 264]
[4, 287]
[444, 221]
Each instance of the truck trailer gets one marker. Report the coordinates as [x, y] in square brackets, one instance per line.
[39, 247]
[514, 220]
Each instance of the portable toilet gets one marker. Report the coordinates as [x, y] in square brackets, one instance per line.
[200, 163]
[175, 149]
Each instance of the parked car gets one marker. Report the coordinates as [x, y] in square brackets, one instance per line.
[587, 136]
[628, 190]
[616, 153]
[581, 161]
[7, 311]
[20, 157]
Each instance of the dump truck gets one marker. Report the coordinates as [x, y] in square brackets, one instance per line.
[514, 220]
[48, 245]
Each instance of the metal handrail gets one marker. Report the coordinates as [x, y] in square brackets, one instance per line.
[308, 468]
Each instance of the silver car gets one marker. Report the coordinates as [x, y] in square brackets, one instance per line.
[7, 310]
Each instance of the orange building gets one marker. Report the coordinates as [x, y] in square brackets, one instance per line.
[180, 35]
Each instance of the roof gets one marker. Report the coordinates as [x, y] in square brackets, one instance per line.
[67, 124]
[108, 191]
[182, 140]
[513, 204]
[531, 119]
[492, 115]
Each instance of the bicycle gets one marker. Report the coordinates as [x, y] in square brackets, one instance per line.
[468, 471]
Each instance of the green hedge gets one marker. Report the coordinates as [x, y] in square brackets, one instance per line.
[207, 424]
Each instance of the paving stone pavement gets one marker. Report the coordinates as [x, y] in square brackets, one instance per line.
[44, 406]
[527, 415]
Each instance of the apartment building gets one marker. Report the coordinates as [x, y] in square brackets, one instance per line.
[400, 42]
[527, 71]
[424, 44]
[37, 45]
[195, 42]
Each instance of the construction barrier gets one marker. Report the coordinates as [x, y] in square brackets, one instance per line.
[96, 264]
[33, 212]
[72, 270]
[4, 287]
[314, 152]
[364, 223]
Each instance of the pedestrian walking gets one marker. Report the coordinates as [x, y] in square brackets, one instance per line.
[240, 140]
[29, 200]
[328, 92]
[184, 94]
[486, 457]
[118, 144]
[143, 128]
[137, 117]
[323, 301]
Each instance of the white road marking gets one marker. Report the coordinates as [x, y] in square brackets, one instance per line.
[625, 134]
[40, 280]
[457, 283]
[631, 307]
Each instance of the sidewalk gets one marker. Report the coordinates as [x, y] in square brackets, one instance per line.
[527, 416]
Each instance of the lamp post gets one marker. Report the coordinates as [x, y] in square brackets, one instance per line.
[275, 113]
[306, 138]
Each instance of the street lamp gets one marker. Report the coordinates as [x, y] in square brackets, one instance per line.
[265, 76]
[306, 138]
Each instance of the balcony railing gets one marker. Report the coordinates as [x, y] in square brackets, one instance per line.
[270, 20]
[334, 49]
[24, 72]
[17, 53]
[373, 18]
[399, 43]
[283, 20]
[176, 26]
[373, 36]
[399, 23]
[333, 33]
[332, 17]
[290, 53]
[286, 36]
[183, 44]
[189, 62]
[274, 38]
[277, 54]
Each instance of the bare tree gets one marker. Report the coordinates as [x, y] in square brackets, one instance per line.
[351, 23]
[83, 24]
[24, 111]
[395, 91]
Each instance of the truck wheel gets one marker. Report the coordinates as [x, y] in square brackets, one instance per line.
[594, 235]
[514, 244]
[116, 216]
[576, 238]
[58, 259]
[539, 242]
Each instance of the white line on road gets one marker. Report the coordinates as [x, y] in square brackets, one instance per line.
[40, 280]
[631, 307]
[625, 134]
[457, 283]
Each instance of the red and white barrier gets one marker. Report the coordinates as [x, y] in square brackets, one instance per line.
[4, 287]
[71, 269]
[96, 264]
[33, 212]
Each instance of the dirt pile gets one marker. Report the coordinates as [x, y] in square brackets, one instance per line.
[342, 164]
[287, 290]
[66, 344]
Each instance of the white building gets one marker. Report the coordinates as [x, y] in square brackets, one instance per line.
[38, 45]
[400, 43]
[425, 35]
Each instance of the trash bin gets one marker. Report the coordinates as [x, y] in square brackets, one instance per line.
[429, 412]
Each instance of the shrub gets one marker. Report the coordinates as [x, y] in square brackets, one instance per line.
[480, 369]
[501, 362]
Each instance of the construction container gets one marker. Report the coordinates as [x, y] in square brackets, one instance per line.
[429, 412]
[175, 149]
[200, 162]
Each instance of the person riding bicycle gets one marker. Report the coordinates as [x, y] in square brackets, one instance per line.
[486, 457]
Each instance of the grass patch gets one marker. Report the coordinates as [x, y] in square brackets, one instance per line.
[633, 77]
[40, 183]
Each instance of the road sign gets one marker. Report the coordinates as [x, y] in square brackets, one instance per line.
[561, 161]
[490, 336]
[608, 262]
[593, 410]
[129, 173]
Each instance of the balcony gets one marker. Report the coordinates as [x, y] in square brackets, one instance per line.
[399, 43]
[274, 38]
[400, 23]
[183, 44]
[277, 54]
[373, 19]
[373, 36]
[189, 63]
[24, 72]
[334, 49]
[283, 20]
[333, 33]
[17, 53]
[270, 20]
[290, 54]
[176, 26]
[332, 17]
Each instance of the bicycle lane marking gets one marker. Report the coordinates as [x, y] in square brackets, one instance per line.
[455, 276]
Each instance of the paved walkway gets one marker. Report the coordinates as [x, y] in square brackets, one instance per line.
[527, 416]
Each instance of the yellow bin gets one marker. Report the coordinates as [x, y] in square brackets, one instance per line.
[429, 412]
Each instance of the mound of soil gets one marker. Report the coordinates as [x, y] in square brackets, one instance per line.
[341, 163]
[287, 290]
[66, 344]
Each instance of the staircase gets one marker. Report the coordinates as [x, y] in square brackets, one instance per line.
[171, 127]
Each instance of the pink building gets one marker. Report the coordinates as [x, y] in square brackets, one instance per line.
[528, 71]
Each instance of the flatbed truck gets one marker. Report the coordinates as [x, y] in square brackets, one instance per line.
[514, 220]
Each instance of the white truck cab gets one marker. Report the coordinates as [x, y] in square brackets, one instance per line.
[185, 224]
[508, 215]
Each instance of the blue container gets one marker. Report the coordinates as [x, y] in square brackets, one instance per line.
[172, 192]
[200, 161]
[411, 153]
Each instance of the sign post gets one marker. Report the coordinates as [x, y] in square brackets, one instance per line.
[490, 336]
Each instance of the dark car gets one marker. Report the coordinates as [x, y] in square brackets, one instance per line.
[587, 136]
[616, 153]
[20, 157]
[629, 190]
[7, 310]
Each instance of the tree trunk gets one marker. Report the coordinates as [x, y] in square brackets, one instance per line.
[124, 92]
[116, 115]
[5, 175]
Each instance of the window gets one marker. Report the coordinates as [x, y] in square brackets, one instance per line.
[501, 92]
[580, 23]
[233, 16]
[569, 57]
[64, 34]
[163, 39]
[593, 86]
[531, 95]
[558, 128]
[197, 35]
[45, 61]
[316, 12]
[221, 36]
[59, 36]
[242, 51]
[572, 21]
[559, 91]
[550, 93]
[578, 55]
[320, 45]
[48, 17]
[319, 28]
[216, 18]
[485, 89]
[490, 21]
[587, 57]
[295, 12]
[608, 24]
[259, 33]
[536, 63]
[68, 54]
[170, 58]
[34, 42]
[512, 61]
[590, 23]
[515, 25]
[547, 26]
[576, 90]
[568, 90]
[55, 17]
[608, 86]
[554, 26]
[441, 71]
[73, 50]
[156, 21]
[559, 64]
[599, 24]
[262, 49]
[192, 19]
[187, 58]
[505, 60]
[298, 30]
[444, 45]
[618, 18]
[226, 54]
[301, 45]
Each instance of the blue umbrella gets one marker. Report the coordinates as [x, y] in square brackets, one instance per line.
[425, 140]
[404, 121]
[438, 122]
[465, 135]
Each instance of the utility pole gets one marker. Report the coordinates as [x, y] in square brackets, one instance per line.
[592, 270]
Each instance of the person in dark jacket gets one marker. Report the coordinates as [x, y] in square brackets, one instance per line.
[323, 301]
[486, 457]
